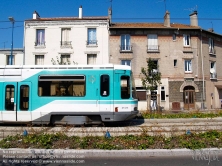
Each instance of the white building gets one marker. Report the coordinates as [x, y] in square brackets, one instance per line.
[15, 59]
[82, 40]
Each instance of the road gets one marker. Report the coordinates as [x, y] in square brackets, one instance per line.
[124, 161]
[50, 157]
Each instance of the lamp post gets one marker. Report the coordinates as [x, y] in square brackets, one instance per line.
[12, 21]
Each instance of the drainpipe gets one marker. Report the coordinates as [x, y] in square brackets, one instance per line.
[201, 52]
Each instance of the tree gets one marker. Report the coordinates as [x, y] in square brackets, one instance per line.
[59, 62]
[151, 77]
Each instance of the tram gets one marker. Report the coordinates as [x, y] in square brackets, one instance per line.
[67, 94]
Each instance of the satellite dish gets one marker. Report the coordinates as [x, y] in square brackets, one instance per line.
[212, 70]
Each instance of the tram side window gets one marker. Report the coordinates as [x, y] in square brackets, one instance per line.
[24, 97]
[125, 87]
[74, 85]
[104, 85]
[9, 97]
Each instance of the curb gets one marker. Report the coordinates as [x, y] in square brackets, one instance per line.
[112, 153]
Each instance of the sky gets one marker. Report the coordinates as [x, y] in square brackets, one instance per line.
[209, 13]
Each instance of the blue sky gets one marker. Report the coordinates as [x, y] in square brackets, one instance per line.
[209, 13]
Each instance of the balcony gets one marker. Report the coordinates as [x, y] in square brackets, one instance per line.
[212, 51]
[153, 49]
[65, 44]
[187, 49]
[213, 75]
[126, 48]
[92, 43]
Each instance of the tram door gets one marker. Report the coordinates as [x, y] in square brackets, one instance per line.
[16, 96]
[10, 103]
[106, 99]
[24, 101]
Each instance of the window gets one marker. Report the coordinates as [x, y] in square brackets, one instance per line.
[65, 38]
[65, 59]
[126, 62]
[175, 63]
[125, 87]
[104, 85]
[91, 36]
[155, 64]
[213, 73]
[63, 86]
[163, 97]
[9, 97]
[174, 37]
[91, 59]
[188, 65]
[211, 46]
[153, 42]
[125, 43]
[186, 40]
[10, 60]
[141, 93]
[39, 60]
[40, 37]
[155, 67]
[24, 97]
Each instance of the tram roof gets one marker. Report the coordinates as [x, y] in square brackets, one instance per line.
[104, 66]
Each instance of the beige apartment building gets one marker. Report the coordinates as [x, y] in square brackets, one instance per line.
[188, 57]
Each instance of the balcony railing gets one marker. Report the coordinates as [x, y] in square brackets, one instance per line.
[213, 75]
[126, 48]
[92, 42]
[40, 44]
[212, 50]
[65, 44]
[187, 49]
[153, 48]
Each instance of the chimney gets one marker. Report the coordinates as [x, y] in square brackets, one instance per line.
[211, 30]
[80, 12]
[167, 19]
[110, 14]
[35, 15]
[193, 19]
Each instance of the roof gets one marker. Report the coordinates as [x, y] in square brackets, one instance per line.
[152, 25]
[69, 18]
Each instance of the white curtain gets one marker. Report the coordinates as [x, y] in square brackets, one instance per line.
[65, 34]
[125, 42]
[91, 59]
[39, 59]
[186, 40]
[152, 42]
[40, 36]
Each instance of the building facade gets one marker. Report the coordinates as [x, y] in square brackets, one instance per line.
[188, 57]
[71, 40]
[17, 57]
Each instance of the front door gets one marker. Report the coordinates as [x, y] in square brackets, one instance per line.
[189, 98]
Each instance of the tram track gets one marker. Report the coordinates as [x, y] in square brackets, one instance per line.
[167, 127]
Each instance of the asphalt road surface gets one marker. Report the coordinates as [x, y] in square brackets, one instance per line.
[189, 160]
